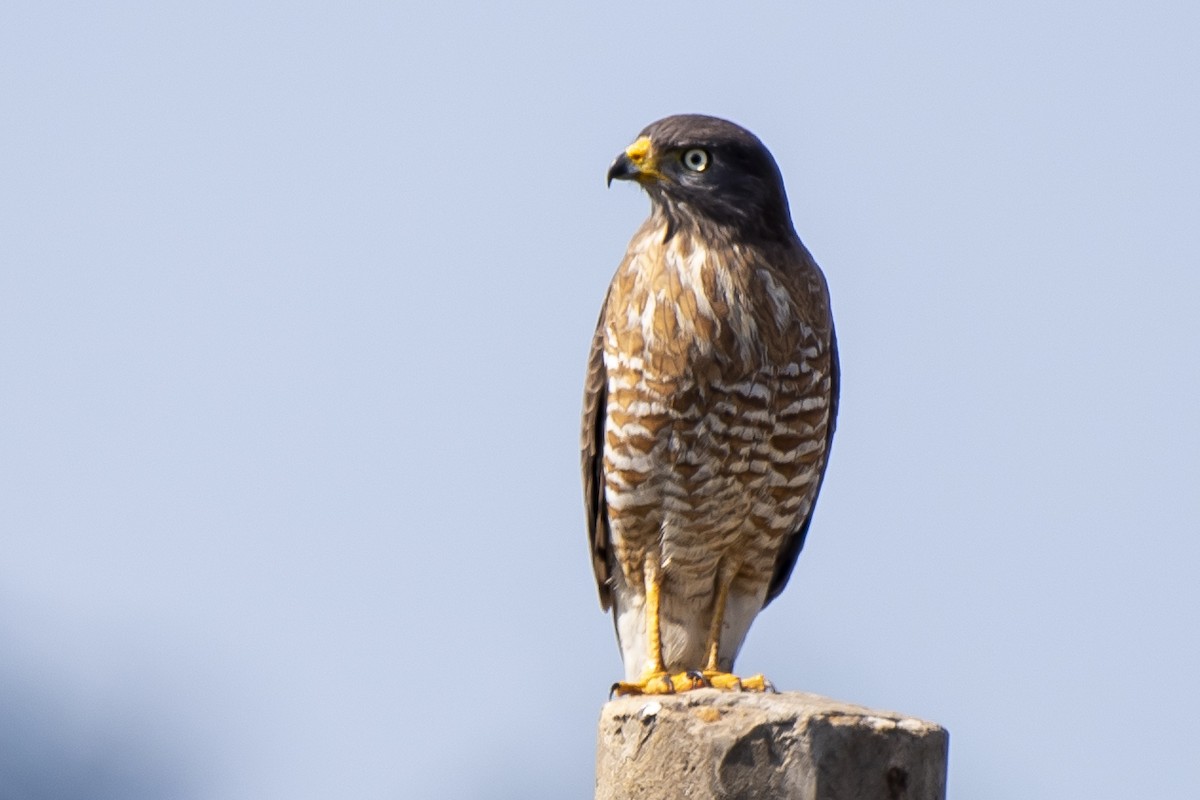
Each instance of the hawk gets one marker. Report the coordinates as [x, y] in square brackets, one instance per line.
[709, 406]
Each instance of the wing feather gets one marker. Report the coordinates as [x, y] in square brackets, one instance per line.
[595, 400]
[795, 541]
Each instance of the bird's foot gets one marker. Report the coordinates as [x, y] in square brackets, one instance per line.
[661, 683]
[666, 683]
[729, 682]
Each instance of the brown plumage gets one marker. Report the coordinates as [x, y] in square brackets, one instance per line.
[709, 404]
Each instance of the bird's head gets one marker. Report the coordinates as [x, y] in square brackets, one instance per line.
[704, 170]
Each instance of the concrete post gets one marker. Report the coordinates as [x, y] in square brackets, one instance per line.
[710, 745]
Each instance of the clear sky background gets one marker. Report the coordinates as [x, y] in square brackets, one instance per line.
[294, 307]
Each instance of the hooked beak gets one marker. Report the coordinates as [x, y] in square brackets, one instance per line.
[636, 163]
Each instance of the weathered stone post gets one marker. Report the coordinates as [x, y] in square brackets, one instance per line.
[710, 745]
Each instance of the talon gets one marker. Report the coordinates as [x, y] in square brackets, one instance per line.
[729, 682]
[698, 678]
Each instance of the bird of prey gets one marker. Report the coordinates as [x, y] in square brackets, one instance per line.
[709, 406]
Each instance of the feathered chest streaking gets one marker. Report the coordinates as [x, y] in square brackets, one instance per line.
[682, 311]
[718, 365]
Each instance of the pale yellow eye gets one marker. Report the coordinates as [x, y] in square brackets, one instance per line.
[696, 160]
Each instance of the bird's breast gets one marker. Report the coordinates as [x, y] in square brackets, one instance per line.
[717, 405]
[688, 309]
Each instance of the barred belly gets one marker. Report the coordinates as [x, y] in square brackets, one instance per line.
[706, 481]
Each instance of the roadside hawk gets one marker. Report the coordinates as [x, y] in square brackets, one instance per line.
[709, 406]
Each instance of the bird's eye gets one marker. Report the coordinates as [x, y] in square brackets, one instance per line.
[696, 160]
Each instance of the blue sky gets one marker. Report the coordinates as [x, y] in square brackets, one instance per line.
[294, 307]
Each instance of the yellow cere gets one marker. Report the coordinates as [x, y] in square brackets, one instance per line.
[638, 151]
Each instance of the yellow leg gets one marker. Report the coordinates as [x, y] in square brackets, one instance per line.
[713, 675]
[714, 630]
[655, 679]
[653, 632]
